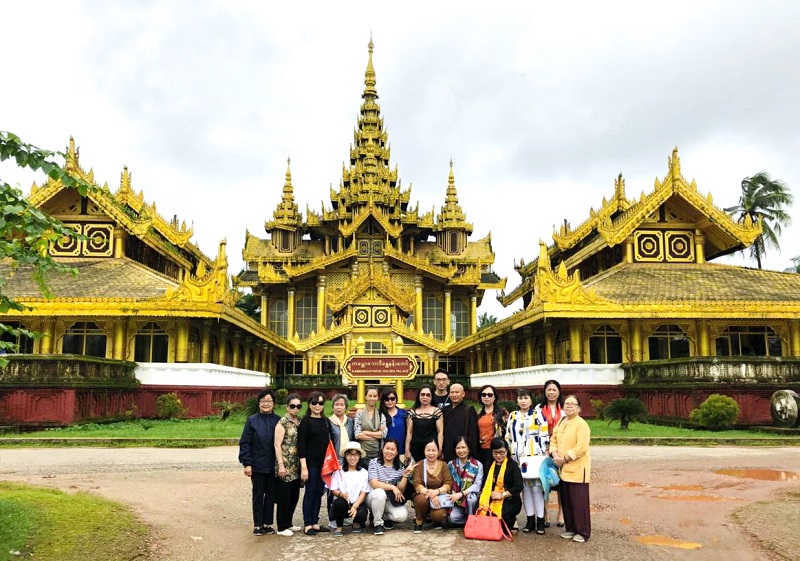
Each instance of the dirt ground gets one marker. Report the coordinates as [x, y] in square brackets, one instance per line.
[652, 503]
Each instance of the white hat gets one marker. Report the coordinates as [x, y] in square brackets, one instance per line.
[352, 445]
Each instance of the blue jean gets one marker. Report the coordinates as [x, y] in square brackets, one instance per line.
[312, 499]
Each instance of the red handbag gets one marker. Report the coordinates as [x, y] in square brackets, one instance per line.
[485, 525]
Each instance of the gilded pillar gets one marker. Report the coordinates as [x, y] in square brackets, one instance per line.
[48, 336]
[629, 250]
[528, 349]
[636, 341]
[248, 353]
[699, 246]
[119, 242]
[703, 336]
[447, 322]
[119, 339]
[309, 362]
[473, 314]
[205, 342]
[794, 337]
[237, 354]
[264, 310]
[290, 329]
[222, 345]
[418, 303]
[499, 352]
[513, 348]
[550, 347]
[575, 343]
[431, 359]
[320, 303]
[182, 340]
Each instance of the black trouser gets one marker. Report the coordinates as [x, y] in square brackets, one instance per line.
[574, 498]
[341, 508]
[263, 498]
[287, 495]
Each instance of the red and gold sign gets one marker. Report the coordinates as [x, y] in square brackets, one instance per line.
[396, 367]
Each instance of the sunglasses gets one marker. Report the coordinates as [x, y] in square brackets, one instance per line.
[295, 406]
[485, 394]
[390, 398]
[320, 402]
[424, 395]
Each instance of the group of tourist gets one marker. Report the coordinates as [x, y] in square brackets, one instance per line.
[442, 457]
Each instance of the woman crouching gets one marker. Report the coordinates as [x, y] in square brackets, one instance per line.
[503, 485]
[349, 487]
[431, 479]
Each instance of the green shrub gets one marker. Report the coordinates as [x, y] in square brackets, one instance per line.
[625, 410]
[599, 406]
[169, 406]
[226, 408]
[718, 412]
[282, 394]
[251, 406]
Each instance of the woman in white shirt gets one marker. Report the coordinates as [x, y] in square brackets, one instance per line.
[349, 487]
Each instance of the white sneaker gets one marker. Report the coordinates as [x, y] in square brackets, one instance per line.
[295, 528]
[286, 533]
[568, 535]
[578, 538]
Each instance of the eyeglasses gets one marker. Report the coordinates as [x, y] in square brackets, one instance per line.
[295, 406]
[390, 398]
[499, 452]
[265, 400]
[424, 395]
[440, 380]
[320, 402]
[570, 404]
[485, 394]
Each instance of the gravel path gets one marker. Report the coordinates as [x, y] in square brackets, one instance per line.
[197, 502]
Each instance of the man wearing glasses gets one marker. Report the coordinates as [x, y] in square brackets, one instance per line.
[257, 455]
[441, 395]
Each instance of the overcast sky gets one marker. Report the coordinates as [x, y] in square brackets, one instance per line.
[540, 105]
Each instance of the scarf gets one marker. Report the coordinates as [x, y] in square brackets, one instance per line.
[463, 477]
[551, 418]
[486, 495]
[370, 423]
[344, 438]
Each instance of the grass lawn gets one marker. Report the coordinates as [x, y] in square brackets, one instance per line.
[50, 525]
[213, 427]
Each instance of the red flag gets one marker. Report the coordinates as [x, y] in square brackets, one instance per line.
[330, 465]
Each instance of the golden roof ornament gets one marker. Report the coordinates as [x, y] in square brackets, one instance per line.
[287, 214]
[452, 216]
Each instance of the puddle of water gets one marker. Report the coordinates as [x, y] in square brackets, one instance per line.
[626, 521]
[667, 542]
[683, 488]
[692, 498]
[760, 474]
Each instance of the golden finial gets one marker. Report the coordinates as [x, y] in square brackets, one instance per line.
[73, 155]
[125, 179]
[369, 74]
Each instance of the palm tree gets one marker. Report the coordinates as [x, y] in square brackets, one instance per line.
[485, 320]
[795, 268]
[764, 198]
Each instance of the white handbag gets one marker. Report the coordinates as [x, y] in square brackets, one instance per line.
[529, 466]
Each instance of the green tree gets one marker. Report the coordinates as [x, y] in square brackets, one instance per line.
[795, 268]
[485, 320]
[625, 410]
[26, 232]
[764, 198]
[251, 305]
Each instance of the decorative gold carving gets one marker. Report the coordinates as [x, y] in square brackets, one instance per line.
[451, 216]
[287, 214]
[213, 287]
[648, 246]
[421, 263]
[560, 288]
[319, 263]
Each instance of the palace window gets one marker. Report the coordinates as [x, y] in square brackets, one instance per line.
[432, 316]
[306, 318]
[375, 348]
[328, 365]
[84, 338]
[459, 319]
[151, 344]
[455, 365]
[605, 346]
[278, 317]
[23, 343]
[749, 340]
[289, 365]
[668, 341]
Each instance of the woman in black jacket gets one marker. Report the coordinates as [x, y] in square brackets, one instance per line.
[257, 455]
[502, 487]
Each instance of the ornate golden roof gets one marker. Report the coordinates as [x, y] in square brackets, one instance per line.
[451, 216]
[287, 215]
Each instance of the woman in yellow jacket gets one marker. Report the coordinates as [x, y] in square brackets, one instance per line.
[569, 448]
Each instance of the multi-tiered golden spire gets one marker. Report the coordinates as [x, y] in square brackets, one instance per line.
[452, 216]
[287, 214]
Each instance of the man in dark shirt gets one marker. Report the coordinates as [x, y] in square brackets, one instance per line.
[441, 397]
[460, 419]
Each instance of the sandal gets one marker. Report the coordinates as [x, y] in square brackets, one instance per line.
[310, 531]
[560, 524]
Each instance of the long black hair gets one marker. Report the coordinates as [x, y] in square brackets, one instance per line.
[382, 406]
[560, 399]
[422, 387]
[396, 464]
[499, 412]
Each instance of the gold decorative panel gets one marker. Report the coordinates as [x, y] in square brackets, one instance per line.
[648, 246]
[361, 316]
[679, 246]
[364, 248]
[99, 240]
[380, 316]
[67, 247]
[372, 316]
